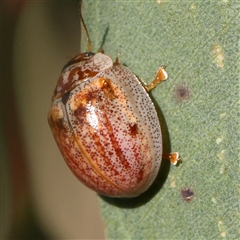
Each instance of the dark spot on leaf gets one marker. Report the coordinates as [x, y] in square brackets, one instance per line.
[181, 92]
[187, 194]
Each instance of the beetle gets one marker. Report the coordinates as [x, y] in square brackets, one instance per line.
[105, 124]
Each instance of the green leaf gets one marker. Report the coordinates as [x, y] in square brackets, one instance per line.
[198, 41]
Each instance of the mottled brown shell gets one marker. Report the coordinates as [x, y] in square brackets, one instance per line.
[106, 126]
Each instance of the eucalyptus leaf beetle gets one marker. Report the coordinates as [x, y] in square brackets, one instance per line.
[105, 124]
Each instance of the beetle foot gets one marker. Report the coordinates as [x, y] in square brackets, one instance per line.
[100, 50]
[117, 62]
[172, 157]
[161, 76]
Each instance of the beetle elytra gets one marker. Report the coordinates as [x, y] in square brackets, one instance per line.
[105, 124]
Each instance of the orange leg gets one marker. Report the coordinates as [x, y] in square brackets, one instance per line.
[161, 76]
[117, 62]
[100, 50]
[172, 157]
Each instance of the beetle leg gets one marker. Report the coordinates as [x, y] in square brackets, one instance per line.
[160, 76]
[172, 157]
[100, 50]
[117, 62]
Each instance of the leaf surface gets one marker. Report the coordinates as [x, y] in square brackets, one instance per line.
[198, 107]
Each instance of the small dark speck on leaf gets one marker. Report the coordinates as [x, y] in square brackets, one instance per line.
[187, 194]
[181, 92]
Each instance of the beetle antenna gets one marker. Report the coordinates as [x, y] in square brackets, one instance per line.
[84, 26]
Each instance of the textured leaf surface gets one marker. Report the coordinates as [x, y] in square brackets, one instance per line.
[198, 109]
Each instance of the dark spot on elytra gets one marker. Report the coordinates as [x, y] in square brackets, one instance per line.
[80, 113]
[187, 194]
[91, 96]
[181, 92]
[133, 129]
[65, 98]
[58, 124]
